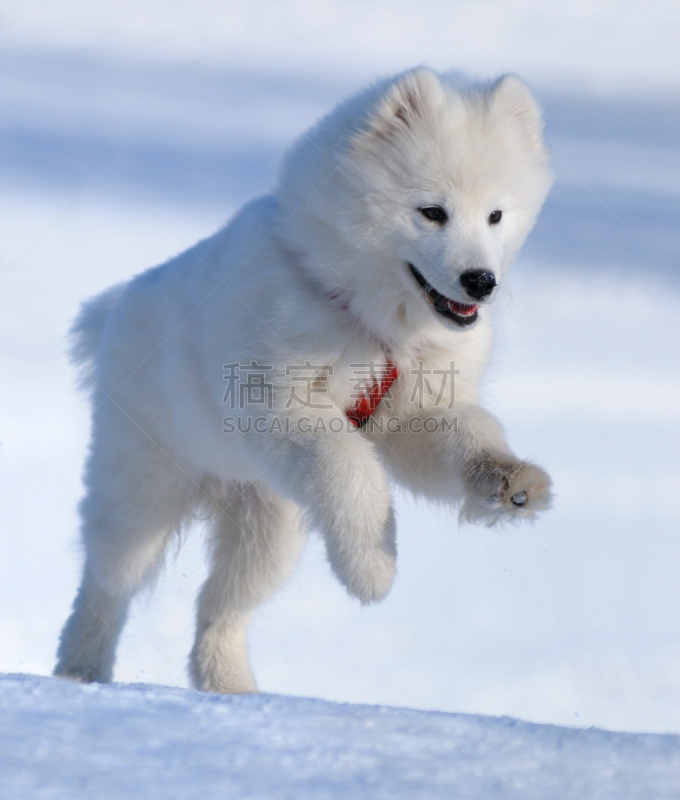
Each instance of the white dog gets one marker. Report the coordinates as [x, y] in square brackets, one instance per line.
[238, 377]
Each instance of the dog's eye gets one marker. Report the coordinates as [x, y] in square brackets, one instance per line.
[495, 217]
[435, 213]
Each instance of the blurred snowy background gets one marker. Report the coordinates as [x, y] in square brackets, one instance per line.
[130, 129]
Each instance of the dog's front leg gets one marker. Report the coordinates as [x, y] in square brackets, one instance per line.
[461, 456]
[339, 479]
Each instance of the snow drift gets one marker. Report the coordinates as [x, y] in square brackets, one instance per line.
[66, 741]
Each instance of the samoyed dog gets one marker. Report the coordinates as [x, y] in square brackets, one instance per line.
[275, 376]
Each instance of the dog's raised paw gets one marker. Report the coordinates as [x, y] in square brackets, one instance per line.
[366, 573]
[500, 487]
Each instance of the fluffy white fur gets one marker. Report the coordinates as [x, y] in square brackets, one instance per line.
[317, 272]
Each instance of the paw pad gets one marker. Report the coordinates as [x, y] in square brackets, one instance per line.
[519, 499]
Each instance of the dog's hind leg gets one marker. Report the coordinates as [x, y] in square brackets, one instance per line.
[255, 540]
[135, 501]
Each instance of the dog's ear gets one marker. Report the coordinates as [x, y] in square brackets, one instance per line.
[510, 98]
[409, 100]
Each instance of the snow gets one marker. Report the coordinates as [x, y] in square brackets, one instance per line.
[605, 45]
[126, 138]
[67, 741]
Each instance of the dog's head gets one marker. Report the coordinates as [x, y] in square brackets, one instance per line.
[412, 198]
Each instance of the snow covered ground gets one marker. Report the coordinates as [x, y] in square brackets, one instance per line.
[64, 741]
[129, 130]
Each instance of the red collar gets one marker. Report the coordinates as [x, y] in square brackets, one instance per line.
[383, 377]
[364, 407]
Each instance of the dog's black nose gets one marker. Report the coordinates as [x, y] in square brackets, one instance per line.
[477, 283]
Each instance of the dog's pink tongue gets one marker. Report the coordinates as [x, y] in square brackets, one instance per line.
[463, 309]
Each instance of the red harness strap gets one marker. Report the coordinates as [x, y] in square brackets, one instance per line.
[362, 409]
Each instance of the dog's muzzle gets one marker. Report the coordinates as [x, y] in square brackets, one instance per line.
[460, 313]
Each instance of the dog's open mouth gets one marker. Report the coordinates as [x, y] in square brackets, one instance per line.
[460, 313]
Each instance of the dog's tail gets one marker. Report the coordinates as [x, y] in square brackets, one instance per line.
[86, 332]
